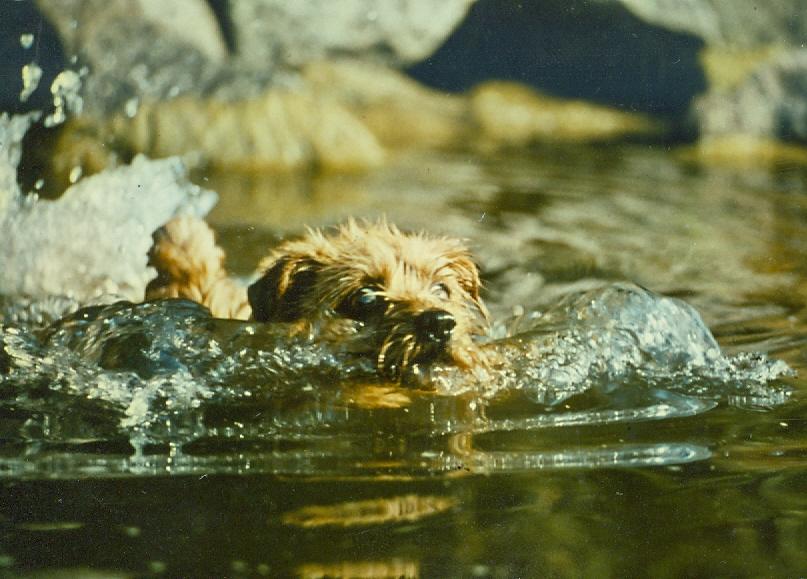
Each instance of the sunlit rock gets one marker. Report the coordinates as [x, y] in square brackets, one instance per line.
[743, 150]
[343, 116]
[399, 111]
[282, 129]
[162, 82]
[512, 114]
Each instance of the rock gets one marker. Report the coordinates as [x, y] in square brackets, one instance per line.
[739, 23]
[154, 50]
[400, 112]
[395, 32]
[342, 116]
[142, 49]
[78, 150]
[190, 21]
[741, 151]
[162, 82]
[82, 24]
[770, 102]
[512, 114]
[282, 129]
[755, 63]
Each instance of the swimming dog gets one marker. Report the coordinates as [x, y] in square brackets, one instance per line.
[407, 300]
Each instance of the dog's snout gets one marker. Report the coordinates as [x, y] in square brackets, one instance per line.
[435, 325]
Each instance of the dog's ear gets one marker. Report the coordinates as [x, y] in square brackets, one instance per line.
[468, 277]
[278, 295]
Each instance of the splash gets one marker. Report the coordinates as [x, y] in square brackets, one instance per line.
[27, 40]
[108, 219]
[621, 335]
[66, 92]
[12, 131]
[31, 75]
[163, 365]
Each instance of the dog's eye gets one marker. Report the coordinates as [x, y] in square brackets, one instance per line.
[441, 291]
[362, 304]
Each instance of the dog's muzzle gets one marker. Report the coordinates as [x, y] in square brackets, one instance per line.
[434, 326]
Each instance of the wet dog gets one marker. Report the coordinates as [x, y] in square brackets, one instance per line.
[407, 300]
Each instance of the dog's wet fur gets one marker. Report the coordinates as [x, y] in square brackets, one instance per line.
[407, 300]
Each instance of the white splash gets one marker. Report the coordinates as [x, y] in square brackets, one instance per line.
[31, 75]
[26, 40]
[66, 91]
[94, 239]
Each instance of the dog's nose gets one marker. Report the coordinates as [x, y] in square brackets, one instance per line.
[434, 325]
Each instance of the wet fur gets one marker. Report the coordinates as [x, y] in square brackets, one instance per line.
[304, 281]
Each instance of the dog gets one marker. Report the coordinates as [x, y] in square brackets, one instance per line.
[407, 300]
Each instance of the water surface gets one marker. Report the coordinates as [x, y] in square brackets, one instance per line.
[622, 440]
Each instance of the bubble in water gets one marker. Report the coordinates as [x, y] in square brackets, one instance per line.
[26, 40]
[131, 107]
[31, 75]
[65, 89]
[75, 174]
[166, 371]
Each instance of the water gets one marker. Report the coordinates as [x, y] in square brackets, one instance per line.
[628, 433]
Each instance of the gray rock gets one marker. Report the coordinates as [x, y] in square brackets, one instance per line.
[741, 23]
[136, 50]
[155, 50]
[770, 102]
[190, 21]
[766, 39]
[394, 31]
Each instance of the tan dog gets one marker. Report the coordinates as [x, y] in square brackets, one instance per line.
[407, 300]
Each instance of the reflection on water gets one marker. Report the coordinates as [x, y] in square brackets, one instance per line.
[124, 424]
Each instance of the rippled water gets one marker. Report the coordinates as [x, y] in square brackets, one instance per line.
[154, 439]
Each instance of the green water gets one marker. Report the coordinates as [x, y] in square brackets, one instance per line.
[731, 241]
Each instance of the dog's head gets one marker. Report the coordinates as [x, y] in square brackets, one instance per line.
[407, 300]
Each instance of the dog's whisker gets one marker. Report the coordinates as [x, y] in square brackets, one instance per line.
[410, 352]
[382, 355]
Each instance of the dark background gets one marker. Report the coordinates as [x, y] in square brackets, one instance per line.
[573, 49]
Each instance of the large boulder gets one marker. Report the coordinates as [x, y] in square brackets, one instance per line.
[152, 50]
[739, 23]
[139, 49]
[229, 85]
[755, 62]
[770, 102]
[394, 32]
